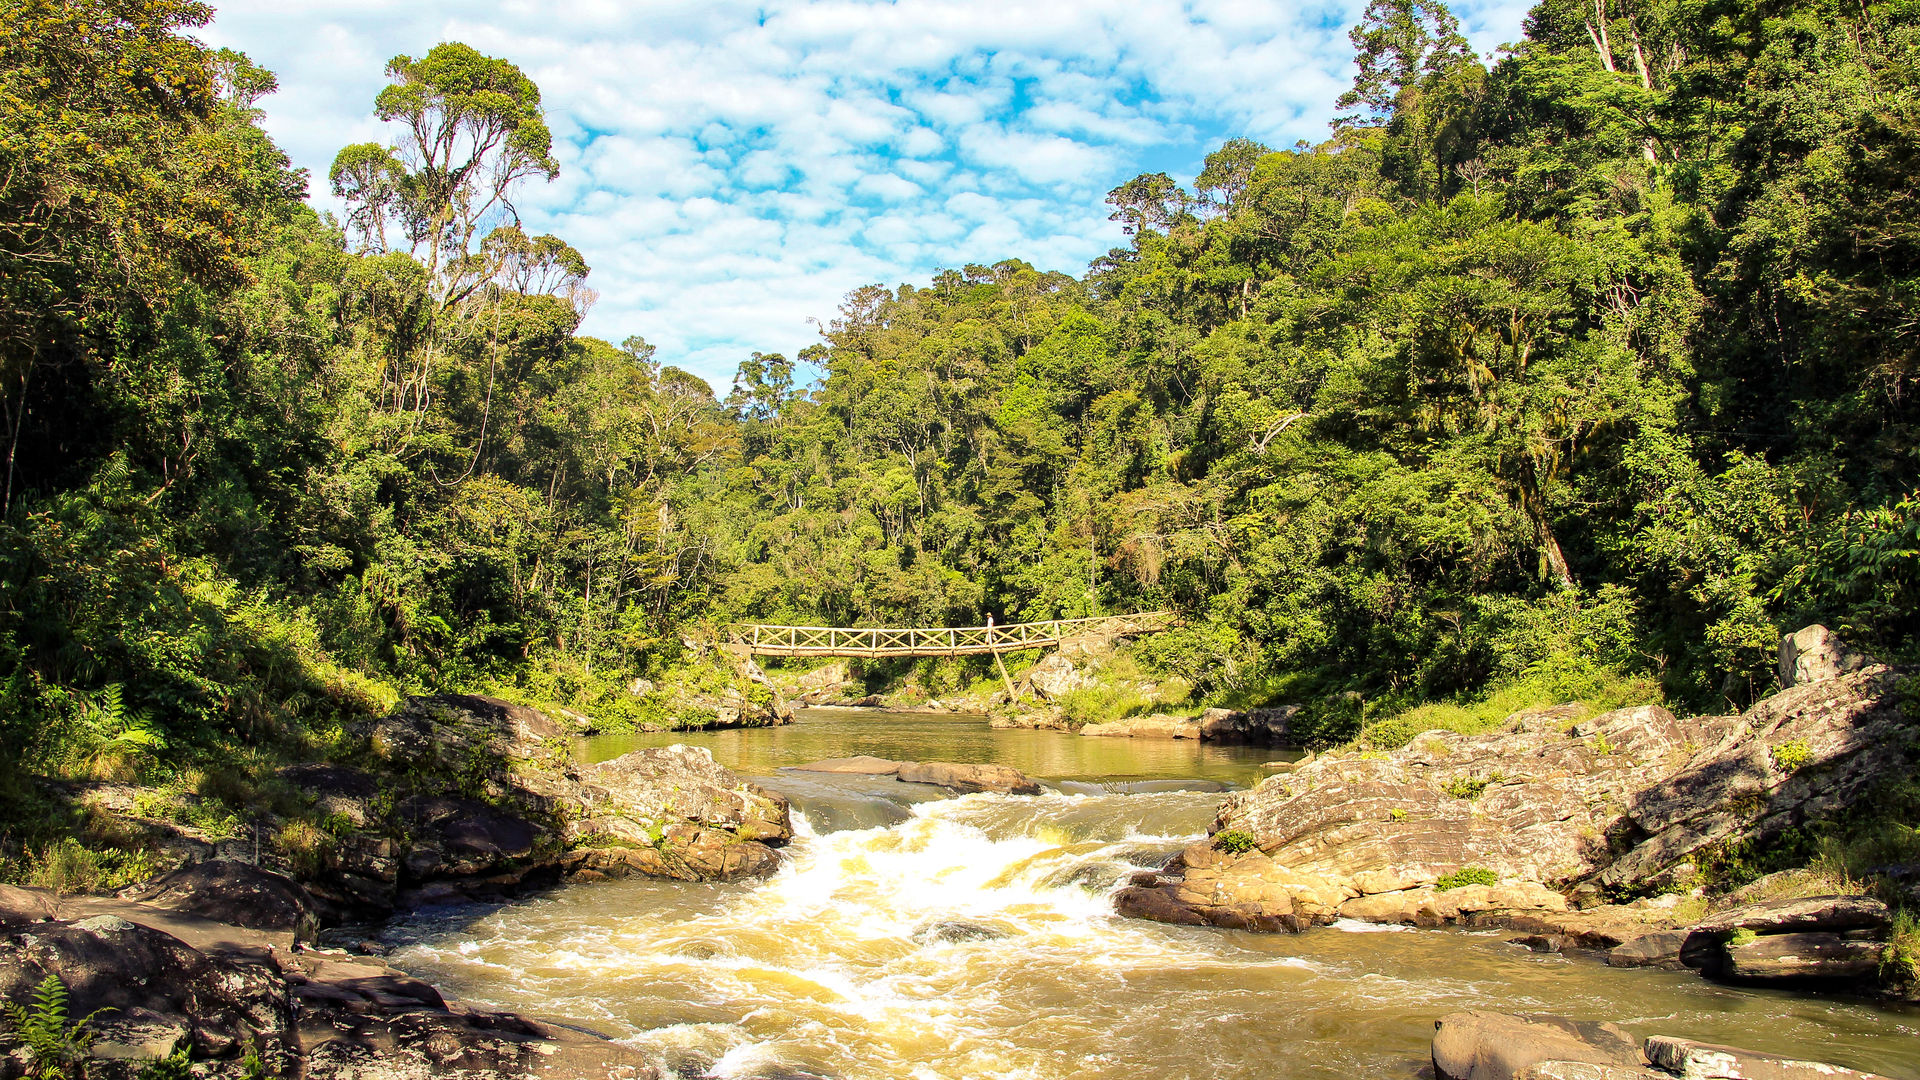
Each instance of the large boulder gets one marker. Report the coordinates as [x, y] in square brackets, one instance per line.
[235, 893]
[1626, 799]
[1055, 676]
[675, 812]
[1480, 1045]
[162, 994]
[1815, 653]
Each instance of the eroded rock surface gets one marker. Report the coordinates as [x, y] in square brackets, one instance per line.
[1480, 1045]
[962, 777]
[320, 1015]
[1623, 799]
[1146, 727]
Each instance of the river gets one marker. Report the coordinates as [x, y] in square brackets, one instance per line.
[912, 934]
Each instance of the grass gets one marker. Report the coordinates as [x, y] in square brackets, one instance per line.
[1790, 757]
[67, 866]
[1102, 703]
[1476, 716]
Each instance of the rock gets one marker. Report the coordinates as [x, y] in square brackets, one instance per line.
[1054, 677]
[154, 981]
[1238, 891]
[337, 790]
[1544, 943]
[956, 931]
[640, 687]
[1256, 727]
[1815, 653]
[1815, 956]
[1628, 798]
[859, 765]
[1146, 727]
[459, 731]
[1660, 948]
[234, 893]
[1432, 907]
[1000, 779]
[1046, 719]
[1691, 1060]
[1480, 1045]
[18, 905]
[674, 812]
[466, 838]
[1833, 913]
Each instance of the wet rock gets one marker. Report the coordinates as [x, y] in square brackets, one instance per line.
[235, 893]
[1254, 727]
[1431, 907]
[1660, 948]
[1480, 1045]
[956, 931]
[464, 733]
[1815, 653]
[1146, 727]
[961, 777]
[1544, 943]
[1238, 891]
[1691, 1060]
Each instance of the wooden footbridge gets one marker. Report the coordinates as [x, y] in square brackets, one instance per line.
[759, 639]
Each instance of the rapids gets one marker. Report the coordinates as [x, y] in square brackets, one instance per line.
[916, 935]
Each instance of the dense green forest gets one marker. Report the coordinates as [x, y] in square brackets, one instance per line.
[1592, 364]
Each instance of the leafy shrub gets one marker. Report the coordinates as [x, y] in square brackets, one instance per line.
[1900, 959]
[1234, 841]
[1398, 813]
[68, 866]
[1467, 787]
[1467, 875]
[1548, 685]
[1791, 756]
[308, 848]
[1102, 704]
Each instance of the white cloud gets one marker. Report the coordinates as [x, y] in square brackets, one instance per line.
[732, 168]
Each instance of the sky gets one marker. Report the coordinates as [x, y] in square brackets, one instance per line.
[732, 170]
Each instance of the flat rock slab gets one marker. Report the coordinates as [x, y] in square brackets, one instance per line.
[861, 765]
[1831, 913]
[1815, 955]
[1706, 1061]
[1658, 949]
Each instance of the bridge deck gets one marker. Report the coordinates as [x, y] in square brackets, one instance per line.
[760, 639]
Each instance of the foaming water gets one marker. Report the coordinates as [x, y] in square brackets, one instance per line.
[976, 938]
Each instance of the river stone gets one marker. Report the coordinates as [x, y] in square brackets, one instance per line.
[1660, 948]
[1691, 1060]
[1812, 956]
[235, 893]
[1480, 1045]
[1814, 653]
[1000, 779]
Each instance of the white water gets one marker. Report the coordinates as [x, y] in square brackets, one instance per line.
[834, 967]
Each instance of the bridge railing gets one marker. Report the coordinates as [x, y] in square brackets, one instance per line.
[763, 639]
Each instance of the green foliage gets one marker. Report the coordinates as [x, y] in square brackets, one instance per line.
[55, 1045]
[1467, 875]
[1900, 958]
[175, 1066]
[1235, 841]
[69, 866]
[1791, 756]
[1577, 378]
[1467, 787]
[1739, 936]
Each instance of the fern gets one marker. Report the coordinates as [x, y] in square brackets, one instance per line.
[172, 1067]
[114, 725]
[56, 1049]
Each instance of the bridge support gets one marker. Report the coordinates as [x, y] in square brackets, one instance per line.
[1013, 696]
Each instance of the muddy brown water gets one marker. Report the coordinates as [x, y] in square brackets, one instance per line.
[917, 935]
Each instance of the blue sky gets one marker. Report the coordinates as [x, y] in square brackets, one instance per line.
[731, 170]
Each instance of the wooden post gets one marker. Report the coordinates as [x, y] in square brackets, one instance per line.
[1013, 697]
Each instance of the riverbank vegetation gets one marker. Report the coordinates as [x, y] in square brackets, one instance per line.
[1582, 371]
